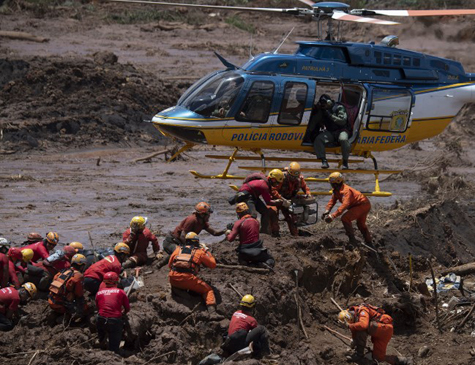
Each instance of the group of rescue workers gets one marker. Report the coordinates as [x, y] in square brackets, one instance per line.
[65, 274]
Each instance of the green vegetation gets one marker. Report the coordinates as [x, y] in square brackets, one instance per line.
[237, 22]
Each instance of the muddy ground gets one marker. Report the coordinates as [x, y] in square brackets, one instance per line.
[71, 122]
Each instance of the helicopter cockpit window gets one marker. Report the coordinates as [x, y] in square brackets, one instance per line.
[256, 107]
[293, 104]
[323, 53]
[390, 110]
[216, 96]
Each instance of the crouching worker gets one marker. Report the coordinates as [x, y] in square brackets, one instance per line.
[250, 249]
[185, 264]
[66, 293]
[10, 298]
[366, 320]
[112, 304]
[138, 237]
[244, 329]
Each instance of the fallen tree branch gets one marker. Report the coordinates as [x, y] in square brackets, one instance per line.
[338, 306]
[189, 315]
[435, 296]
[244, 268]
[237, 291]
[149, 157]
[338, 334]
[22, 36]
[299, 311]
[461, 324]
[461, 270]
[33, 357]
[159, 356]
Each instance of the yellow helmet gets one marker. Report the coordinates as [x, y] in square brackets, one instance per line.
[276, 174]
[346, 316]
[52, 237]
[121, 247]
[193, 237]
[336, 178]
[77, 245]
[27, 254]
[294, 169]
[79, 259]
[138, 222]
[241, 207]
[248, 301]
[30, 288]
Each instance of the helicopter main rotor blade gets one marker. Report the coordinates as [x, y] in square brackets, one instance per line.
[294, 11]
[414, 12]
[340, 15]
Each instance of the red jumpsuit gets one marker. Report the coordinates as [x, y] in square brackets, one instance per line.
[4, 270]
[241, 321]
[100, 268]
[109, 302]
[73, 290]
[9, 300]
[13, 275]
[191, 224]
[39, 251]
[358, 207]
[247, 228]
[372, 321]
[139, 243]
[187, 279]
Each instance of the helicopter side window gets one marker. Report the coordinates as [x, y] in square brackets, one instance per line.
[390, 110]
[256, 107]
[293, 104]
[334, 54]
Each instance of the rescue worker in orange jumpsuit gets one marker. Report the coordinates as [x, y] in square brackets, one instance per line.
[112, 304]
[10, 298]
[357, 208]
[94, 275]
[42, 248]
[196, 222]
[256, 186]
[184, 266]
[66, 292]
[366, 320]
[244, 329]
[138, 237]
[286, 191]
[250, 249]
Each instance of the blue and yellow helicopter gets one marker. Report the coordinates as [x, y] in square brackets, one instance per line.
[392, 96]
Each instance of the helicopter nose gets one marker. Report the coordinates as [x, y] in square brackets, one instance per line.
[187, 134]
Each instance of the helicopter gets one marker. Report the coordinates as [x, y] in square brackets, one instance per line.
[393, 96]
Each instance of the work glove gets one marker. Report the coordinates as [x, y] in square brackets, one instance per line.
[327, 212]
[286, 203]
[228, 231]
[329, 218]
[230, 226]
[159, 255]
[204, 247]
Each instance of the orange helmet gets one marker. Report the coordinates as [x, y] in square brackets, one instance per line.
[69, 251]
[111, 279]
[294, 169]
[52, 237]
[241, 207]
[203, 208]
[34, 237]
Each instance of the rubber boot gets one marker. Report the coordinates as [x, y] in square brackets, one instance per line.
[345, 165]
[129, 264]
[325, 164]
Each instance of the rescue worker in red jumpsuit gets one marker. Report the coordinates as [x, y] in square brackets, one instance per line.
[32, 237]
[4, 270]
[10, 298]
[184, 266]
[21, 266]
[250, 249]
[196, 222]
[244, 329]
[95, 273]
[286, 191]
[138, 237]
[42, 248]
[4, 245]
[14, 256]
[66, 292]
[366, 320]
[255, 187]
[112, 304]
[357, 208]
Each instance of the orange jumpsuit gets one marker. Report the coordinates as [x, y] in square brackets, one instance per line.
[186, 278]
[71, 291]
[372, 321]
[288, 189]
[358, 207]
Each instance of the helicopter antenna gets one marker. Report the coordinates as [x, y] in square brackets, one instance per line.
[250, 49]
[283, 40]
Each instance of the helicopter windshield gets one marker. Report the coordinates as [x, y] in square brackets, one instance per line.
[215, 97]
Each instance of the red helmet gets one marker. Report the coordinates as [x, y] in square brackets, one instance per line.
[203, 208]
[34, 237]
[69, 251]
[15, 253]
[111, 279]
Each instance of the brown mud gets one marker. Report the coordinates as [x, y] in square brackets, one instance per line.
[71, 121]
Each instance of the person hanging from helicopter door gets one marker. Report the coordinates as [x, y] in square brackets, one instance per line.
[332, 117]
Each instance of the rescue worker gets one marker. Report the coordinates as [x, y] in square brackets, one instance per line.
[293, 182]
[333, 118]
[356, 205]
[250, 249]
[95, 273]
[4, 270]
[184, 266]
[253, 188]
[244, 329]
[10, 298]
[42, 248]
[138, 237]
[112, 304]
[4, 245]
[66, 292]
[78, 246]
[21, 267]
[14, 256]
[32, 237]
[195, 222]
[364, 320]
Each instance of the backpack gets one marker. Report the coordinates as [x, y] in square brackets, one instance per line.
[58, 286]
[184, 260]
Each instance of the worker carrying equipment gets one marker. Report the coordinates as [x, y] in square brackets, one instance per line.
[94, 275]
[244, 329]
[184, 266]
[367, 320]
[356, 205]
[138, 238]
[112, 304]
[251, 250]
